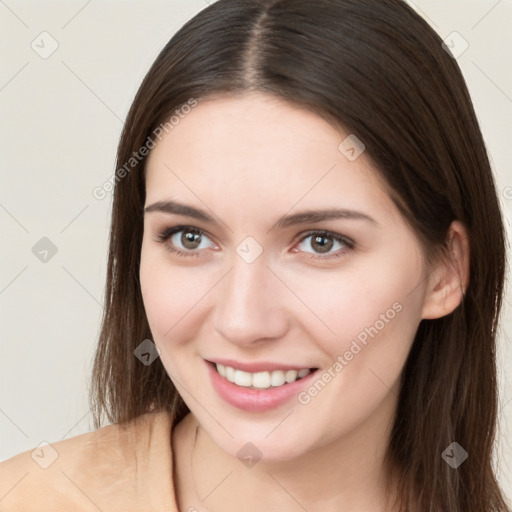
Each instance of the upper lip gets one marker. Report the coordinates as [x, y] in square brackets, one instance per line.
[257, 366]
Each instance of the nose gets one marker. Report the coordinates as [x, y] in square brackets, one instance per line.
[250, 309]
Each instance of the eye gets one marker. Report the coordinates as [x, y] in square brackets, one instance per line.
[190, 241]
[325, 242]
[185, 240]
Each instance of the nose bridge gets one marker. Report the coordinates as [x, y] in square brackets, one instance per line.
[249, 281]
[248, 307]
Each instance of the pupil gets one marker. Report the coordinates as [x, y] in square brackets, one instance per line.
[324, 244]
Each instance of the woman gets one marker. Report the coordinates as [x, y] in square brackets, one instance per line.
[304, 282]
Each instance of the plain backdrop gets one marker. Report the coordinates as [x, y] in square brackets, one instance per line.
[61, 117]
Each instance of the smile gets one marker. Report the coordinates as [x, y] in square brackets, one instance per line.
[257, 386]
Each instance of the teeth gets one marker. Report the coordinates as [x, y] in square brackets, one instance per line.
[277, 378]
[221, 369]
[243, 378]
[290, 376]
[230, 374]
[261, 380]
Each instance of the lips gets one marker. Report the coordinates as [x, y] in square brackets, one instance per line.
[259, 397]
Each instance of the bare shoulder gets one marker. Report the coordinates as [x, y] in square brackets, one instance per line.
[101, 469]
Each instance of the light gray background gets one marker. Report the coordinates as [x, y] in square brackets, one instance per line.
[61, 120]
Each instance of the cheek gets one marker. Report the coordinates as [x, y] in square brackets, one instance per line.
[375, 317]
[177, 299]
[364, 360]
[371, 316]
[169, 294]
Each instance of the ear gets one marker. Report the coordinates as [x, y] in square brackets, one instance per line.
[449, 278]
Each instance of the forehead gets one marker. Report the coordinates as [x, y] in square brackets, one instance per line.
[248, 126]
[259, 153]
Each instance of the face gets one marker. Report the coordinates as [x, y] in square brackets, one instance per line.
[277, 276]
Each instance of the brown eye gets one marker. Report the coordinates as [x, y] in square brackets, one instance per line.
[185, 240]
[325, 242]
[321, 243]
[190, 239]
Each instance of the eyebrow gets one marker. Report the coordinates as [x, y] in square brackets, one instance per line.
[304, 217]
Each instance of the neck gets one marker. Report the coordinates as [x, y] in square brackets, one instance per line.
[348, 474]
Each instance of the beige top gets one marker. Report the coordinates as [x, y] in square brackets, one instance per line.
[115, 468]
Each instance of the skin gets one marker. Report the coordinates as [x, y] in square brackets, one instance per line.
[248, 161]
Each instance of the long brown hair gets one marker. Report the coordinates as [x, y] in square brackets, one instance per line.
[376, 68]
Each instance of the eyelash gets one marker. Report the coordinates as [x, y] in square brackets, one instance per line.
[167, 233]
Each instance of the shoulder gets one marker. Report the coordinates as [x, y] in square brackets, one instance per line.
[117, 467]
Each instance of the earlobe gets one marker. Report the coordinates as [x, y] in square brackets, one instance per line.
[448, 281]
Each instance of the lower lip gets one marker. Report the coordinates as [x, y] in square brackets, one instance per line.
[257, 400]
